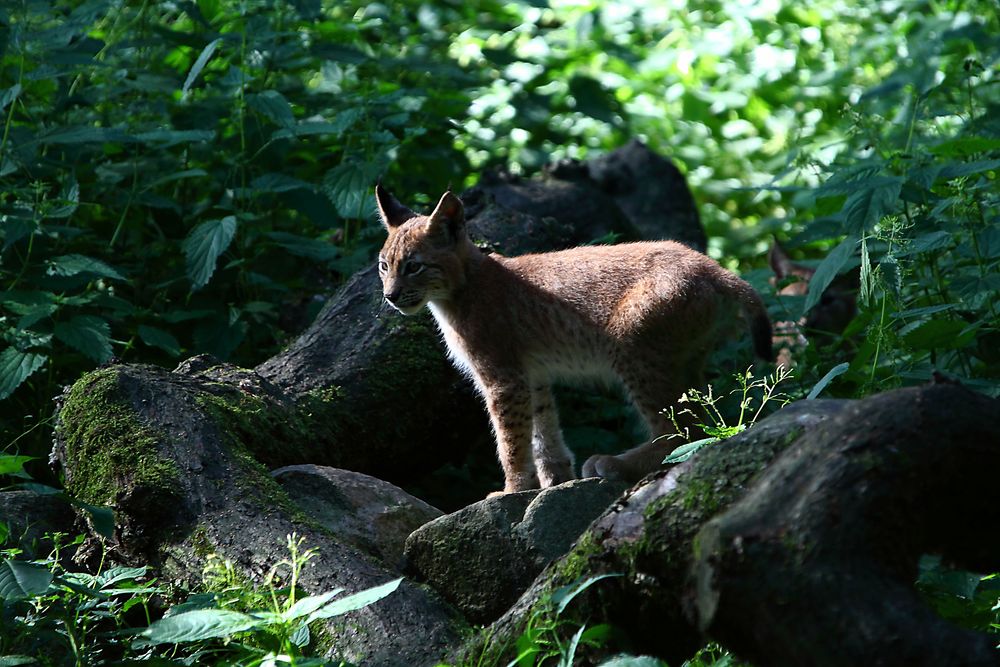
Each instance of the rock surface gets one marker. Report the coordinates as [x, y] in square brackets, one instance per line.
[31, 516]
[484, 556]
[373, 516]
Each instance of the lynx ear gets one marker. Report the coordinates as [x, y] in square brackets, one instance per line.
[393, 213]
[449, 214]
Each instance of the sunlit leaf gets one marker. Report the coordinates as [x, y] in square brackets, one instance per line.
[198, 624]
[356, 601]
[199, 64]
[308, 605]
[11, 463]
[687, 450]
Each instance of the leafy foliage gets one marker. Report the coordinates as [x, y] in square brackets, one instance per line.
[52, 616]
[178, 178]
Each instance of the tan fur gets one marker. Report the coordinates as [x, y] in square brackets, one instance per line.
[646, 314]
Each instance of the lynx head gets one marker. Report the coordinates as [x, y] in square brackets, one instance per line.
[422, 260]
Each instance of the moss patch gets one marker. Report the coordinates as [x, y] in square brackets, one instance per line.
[108, 447]
[249, 425]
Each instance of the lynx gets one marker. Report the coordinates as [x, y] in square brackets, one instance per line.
[645, 314]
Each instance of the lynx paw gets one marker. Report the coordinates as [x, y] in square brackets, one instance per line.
[608, 467]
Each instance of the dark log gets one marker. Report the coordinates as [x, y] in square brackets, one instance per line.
[815, 563]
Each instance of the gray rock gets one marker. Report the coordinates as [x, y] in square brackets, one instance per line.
[31, 516]
[372, 515]
[484, 556]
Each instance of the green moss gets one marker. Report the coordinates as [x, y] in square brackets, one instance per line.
[200, 543]
[108, 447]
[577, 562]
[248, 424]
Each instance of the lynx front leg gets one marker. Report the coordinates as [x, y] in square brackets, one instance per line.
[509, 406]
[552, 458]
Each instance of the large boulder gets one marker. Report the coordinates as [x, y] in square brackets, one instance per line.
[373, 516]
[31, 517]
[481, 558]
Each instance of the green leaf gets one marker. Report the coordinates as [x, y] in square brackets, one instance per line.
[348, 186]
[927, 243]
[16, 660]
[969, 168]
[963, 146]
[197, 625]
[272, 105]
[563, 596]
[938, 334]
[831, 374]
[303, 246]
[203, 246]
[102, 518]
[356, 601]
[865, 207]
[278, 182]
[10, 95]
[78, 134]
[593, 99]
[10, 463]
[71, 265]
[20, 579]
[308, 605]
[167, 138]
[634, 661]
[88, 334]
[199, 64]
[686, 451]
[15, 367]
[156, 337]
[569, 656]
[828, 270]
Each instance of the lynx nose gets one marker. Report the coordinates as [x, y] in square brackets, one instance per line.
[393, 295]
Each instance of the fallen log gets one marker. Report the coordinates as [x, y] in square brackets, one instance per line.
[811, 559]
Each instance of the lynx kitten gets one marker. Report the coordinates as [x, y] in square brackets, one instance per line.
[646, 314]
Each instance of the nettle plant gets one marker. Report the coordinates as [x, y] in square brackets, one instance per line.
[179, 178]
[915, 208]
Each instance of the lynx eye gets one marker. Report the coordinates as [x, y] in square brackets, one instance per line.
[382, 266]
[413, 267]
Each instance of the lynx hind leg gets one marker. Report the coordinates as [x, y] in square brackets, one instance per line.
[509, 405]
[553, 460]
[653, 388]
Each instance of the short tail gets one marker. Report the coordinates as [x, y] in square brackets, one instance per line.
[756, 314]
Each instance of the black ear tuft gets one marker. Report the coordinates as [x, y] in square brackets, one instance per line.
[393, 213]
[450, 213]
